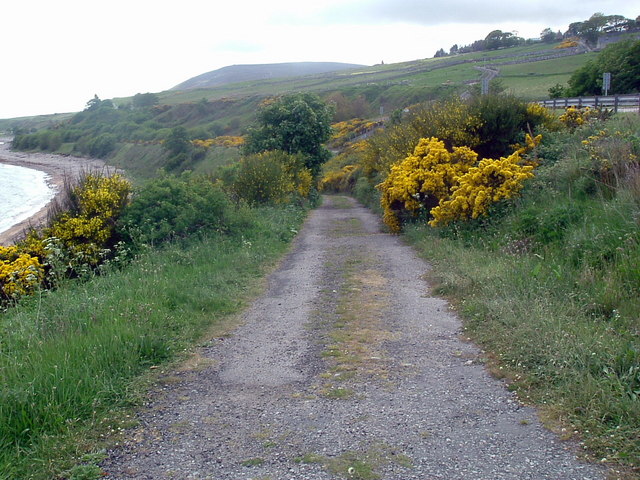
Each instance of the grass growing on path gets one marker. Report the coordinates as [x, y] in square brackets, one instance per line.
[69, 359]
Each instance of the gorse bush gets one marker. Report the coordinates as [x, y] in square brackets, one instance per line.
[449, 185]
[20, 274]
[79, 238]
[86, 231]
[422, 180]
[484, 185]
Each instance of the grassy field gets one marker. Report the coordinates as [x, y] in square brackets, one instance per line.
[69, 377]
[531, 81]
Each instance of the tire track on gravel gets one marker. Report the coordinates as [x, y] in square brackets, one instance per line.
[344, 368]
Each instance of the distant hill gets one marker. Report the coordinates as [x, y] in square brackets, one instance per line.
[246, 73]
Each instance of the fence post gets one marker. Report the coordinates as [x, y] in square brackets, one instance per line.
[616, 99]
[595, 105]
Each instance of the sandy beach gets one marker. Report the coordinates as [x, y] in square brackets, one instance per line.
[58, 167]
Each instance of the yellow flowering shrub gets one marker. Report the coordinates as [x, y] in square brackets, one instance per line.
[202, 143]
[77, 239]
[423, 179]
[449, 184]
[543, 116]
[339, 181]
[567, 43]
[85, 231]
[20, 273]
[340, 173]
[346, 131]
[102, 196]
[482, 186]
[573, 117]
[227, 141]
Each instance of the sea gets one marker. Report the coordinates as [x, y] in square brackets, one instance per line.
[23, 192]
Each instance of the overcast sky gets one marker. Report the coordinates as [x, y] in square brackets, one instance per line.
[56, 54]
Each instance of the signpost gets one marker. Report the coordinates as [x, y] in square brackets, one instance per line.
[606, 82]
[485, 86]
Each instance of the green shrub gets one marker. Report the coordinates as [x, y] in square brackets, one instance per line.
[273, 177]
[504, 121]
[171, 207]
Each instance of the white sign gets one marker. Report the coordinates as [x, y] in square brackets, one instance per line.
[606, 82]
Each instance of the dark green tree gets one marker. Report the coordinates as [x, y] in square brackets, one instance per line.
[621, 59]
[440, 53]
[142, 100]
[294, 123]
[177, 142]
[547, 35]
[557, 91]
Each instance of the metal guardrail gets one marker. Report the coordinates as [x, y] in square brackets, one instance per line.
[616, 102]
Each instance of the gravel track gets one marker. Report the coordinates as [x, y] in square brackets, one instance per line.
[345, 368]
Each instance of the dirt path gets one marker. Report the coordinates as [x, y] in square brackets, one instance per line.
[345, 368]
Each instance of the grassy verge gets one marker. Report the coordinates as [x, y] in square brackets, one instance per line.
[71, 360]
[546, 340]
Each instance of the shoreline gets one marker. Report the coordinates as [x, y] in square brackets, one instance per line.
[57, 167]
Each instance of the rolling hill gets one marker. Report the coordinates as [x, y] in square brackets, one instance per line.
[245, 73]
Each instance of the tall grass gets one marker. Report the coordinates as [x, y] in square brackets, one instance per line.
[69, 357]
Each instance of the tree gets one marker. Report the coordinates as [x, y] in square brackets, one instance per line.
[142, 100]
[179, 148]
[557, 91]
[440, 53]
[547, 35]
[589, 30]
[294, 123]
[621, 59]
[499, 39]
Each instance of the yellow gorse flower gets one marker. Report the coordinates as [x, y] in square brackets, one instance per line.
[451, 185]
[20, 273]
